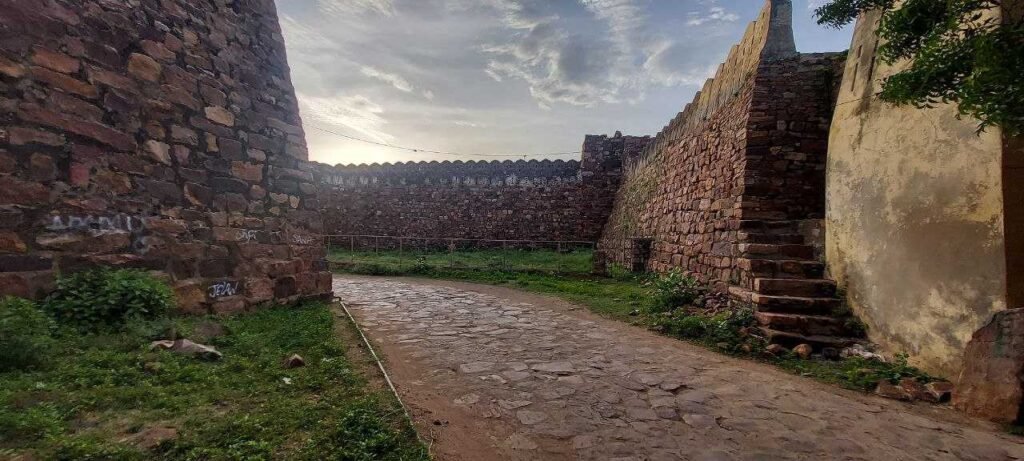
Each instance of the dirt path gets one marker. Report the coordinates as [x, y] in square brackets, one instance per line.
[492, 373]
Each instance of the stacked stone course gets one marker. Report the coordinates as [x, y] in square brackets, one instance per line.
[155, 134]
[732, 190]
[521, 200]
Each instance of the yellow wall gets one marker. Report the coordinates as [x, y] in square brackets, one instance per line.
[914, 217]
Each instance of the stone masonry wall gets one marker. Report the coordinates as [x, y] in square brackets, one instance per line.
[534, 200]
[155, 134]
[751, 146]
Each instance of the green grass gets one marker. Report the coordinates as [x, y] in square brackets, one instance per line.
[576, 261]
[633, 298]
[101, 390]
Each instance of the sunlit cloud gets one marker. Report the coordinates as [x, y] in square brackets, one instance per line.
[354, 112]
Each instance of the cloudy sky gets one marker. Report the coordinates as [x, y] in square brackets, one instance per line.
[505, 77]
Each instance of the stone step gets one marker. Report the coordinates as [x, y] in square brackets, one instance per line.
[762, 226]
[782, 268]
[802, 288]
[774, 251]
[794, 305]
[806, 325]
[790, 339]
[757, 237]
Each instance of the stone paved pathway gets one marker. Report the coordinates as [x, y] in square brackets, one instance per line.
[496, 374]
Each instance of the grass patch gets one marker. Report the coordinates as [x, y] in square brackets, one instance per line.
[672, 305]
[102, 394]
[572, 261]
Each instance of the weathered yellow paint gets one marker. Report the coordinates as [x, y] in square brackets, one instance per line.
[914, 227]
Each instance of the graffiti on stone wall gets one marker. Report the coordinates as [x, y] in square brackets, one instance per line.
[224, 289]
[246, 236]
[97, 225]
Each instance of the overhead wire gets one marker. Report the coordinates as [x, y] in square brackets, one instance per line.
[437, 152]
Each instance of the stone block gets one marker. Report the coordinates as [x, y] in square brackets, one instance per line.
[63, 82]
[990, 385]
[220, 115]
[92, 130]
[190, 296]
[29, 285]
[144, 67]
[158, 151]
[20, 136]
[86, 243]
[54, 60]
[228, 306]
[259, 290]
[14, 191]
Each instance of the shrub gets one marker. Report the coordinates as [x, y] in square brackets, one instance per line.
[24, 334]
[675, 289]
[108, 298]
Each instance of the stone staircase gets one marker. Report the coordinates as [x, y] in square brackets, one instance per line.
[786, 285]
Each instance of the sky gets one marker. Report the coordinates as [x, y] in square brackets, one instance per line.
[506, 79]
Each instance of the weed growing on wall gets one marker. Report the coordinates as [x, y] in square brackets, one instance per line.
[105, 298]
[675, 289]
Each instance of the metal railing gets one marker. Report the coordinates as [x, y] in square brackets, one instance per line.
[381, 253]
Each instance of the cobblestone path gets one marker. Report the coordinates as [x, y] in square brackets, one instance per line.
[492, 374]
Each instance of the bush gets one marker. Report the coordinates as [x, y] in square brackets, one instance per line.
[108, 298]
[675, 289]
[24, 335]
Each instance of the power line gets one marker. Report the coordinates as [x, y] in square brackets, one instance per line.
[436, 152]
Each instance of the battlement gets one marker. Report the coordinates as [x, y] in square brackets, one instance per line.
[600, 154]
[522, 199]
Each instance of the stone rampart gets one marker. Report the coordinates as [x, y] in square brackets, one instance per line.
[750, 147]
[520, 200]
[161, 135]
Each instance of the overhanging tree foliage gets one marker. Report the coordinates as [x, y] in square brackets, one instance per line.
[959, 51]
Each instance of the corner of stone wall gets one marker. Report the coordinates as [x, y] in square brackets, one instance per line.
[163, 136]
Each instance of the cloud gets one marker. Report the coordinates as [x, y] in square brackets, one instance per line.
[357, 112]
[715, 14]
[562, 64]
[671, 63]
[342, 7]
[394, 80]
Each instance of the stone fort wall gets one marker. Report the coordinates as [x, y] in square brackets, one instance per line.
[161, 135]
[748, 152]
[521, 200]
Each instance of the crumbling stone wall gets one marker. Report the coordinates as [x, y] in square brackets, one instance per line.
[160, 135]
[751, 147]
[522, 200]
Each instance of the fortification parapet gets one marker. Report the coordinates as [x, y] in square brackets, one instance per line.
[523, 199]
[768, 38]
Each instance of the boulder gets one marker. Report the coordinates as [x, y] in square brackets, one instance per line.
[186, 347]
[990, 385]
[803, 351]
[777, 350]
[892, 391]
[858, 350]
[938, 392]
[295, 361]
